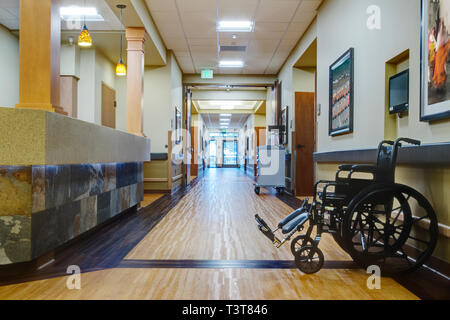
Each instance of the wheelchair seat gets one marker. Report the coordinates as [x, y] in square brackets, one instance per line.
[333, 196]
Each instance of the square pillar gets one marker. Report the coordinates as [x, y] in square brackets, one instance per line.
[39, 64]
[135, 80]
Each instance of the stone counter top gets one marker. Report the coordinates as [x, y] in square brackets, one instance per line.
[36, 137]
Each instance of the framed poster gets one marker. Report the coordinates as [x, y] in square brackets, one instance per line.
[178, 124]
[284, 125]
[341, 94]
[434, 60]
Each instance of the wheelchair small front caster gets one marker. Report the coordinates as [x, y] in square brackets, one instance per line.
[300, 241]
[279, 190]
[257, 190]
[309, 259]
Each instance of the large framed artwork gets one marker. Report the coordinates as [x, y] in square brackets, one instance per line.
[341, 94]
[435, 62]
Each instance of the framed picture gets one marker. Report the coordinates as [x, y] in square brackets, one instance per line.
[341, 94]
[178, 124]
[434, 60]
[284, 125]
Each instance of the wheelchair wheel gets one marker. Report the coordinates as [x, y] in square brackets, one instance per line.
[257, 190]
[393, 226]
[300, 241]
[309, 259]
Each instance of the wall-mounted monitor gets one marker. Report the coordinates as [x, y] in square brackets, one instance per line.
[399, 92]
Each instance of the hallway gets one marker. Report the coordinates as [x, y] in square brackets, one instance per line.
[206, 246]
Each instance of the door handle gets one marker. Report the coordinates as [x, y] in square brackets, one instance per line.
[299, 146]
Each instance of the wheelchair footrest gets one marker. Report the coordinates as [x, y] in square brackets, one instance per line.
[264, 228]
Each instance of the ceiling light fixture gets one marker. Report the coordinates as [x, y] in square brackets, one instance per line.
[231, 64]
[84, 39]
[227, 107]
[121, 69]
[235, 26]
[225, 114]
[75, 13]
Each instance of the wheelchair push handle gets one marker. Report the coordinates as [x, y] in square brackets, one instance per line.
[408, 140]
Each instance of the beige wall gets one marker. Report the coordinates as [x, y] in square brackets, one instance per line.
[9, 77]
[94, 70]
[70, 60]
[303, 80]
[341, 24]
[286, 75]
[162, 92]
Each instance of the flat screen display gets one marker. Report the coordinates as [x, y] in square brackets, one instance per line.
[399, 92]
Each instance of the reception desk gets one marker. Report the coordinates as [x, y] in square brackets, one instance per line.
[60, 177]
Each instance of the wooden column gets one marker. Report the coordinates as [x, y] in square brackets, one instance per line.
[40, 42]
[135, 80]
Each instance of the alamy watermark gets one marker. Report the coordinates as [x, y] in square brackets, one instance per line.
[73, 282]
[374, 280]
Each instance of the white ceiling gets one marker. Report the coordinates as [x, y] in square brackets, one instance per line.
[212, 120]
[188, 27]
[231, 105]
[9, 15]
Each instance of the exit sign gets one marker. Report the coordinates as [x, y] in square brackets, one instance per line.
[207, 74]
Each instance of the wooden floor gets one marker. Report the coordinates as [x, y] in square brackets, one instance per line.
[149, 198]
[213, 223]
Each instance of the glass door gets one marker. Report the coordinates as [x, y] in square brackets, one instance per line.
[212, 154]
[230, 153]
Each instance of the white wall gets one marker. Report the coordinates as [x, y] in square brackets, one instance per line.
[86, 86]
[104, 74]
[163, 90]
[70, 60]
[94, 70]
[303, 80]
[286, 75]
[341, 24]
[121, 98]
[9, 77]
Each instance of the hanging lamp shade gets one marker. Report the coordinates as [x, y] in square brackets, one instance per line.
[121, 69]
[85, 39]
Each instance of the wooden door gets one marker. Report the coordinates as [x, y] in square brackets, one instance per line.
[304, 142]
[188, 147]
[108, 107]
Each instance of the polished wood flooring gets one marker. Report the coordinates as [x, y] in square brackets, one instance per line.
[149, 198]
[201, 243]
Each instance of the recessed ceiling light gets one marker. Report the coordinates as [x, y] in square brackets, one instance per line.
[234, 36]
[225, 114]
[231, 64]
[75, 13]
[235, 26]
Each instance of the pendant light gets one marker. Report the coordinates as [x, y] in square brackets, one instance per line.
[121, 69]
[84, 39]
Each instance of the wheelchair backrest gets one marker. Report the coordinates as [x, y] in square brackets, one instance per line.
[385, 164]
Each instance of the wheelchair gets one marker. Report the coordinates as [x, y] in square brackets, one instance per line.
[372, 218]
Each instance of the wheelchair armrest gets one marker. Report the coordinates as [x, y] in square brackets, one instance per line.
[362, 168]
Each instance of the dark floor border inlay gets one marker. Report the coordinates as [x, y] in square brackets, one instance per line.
[227, 264]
